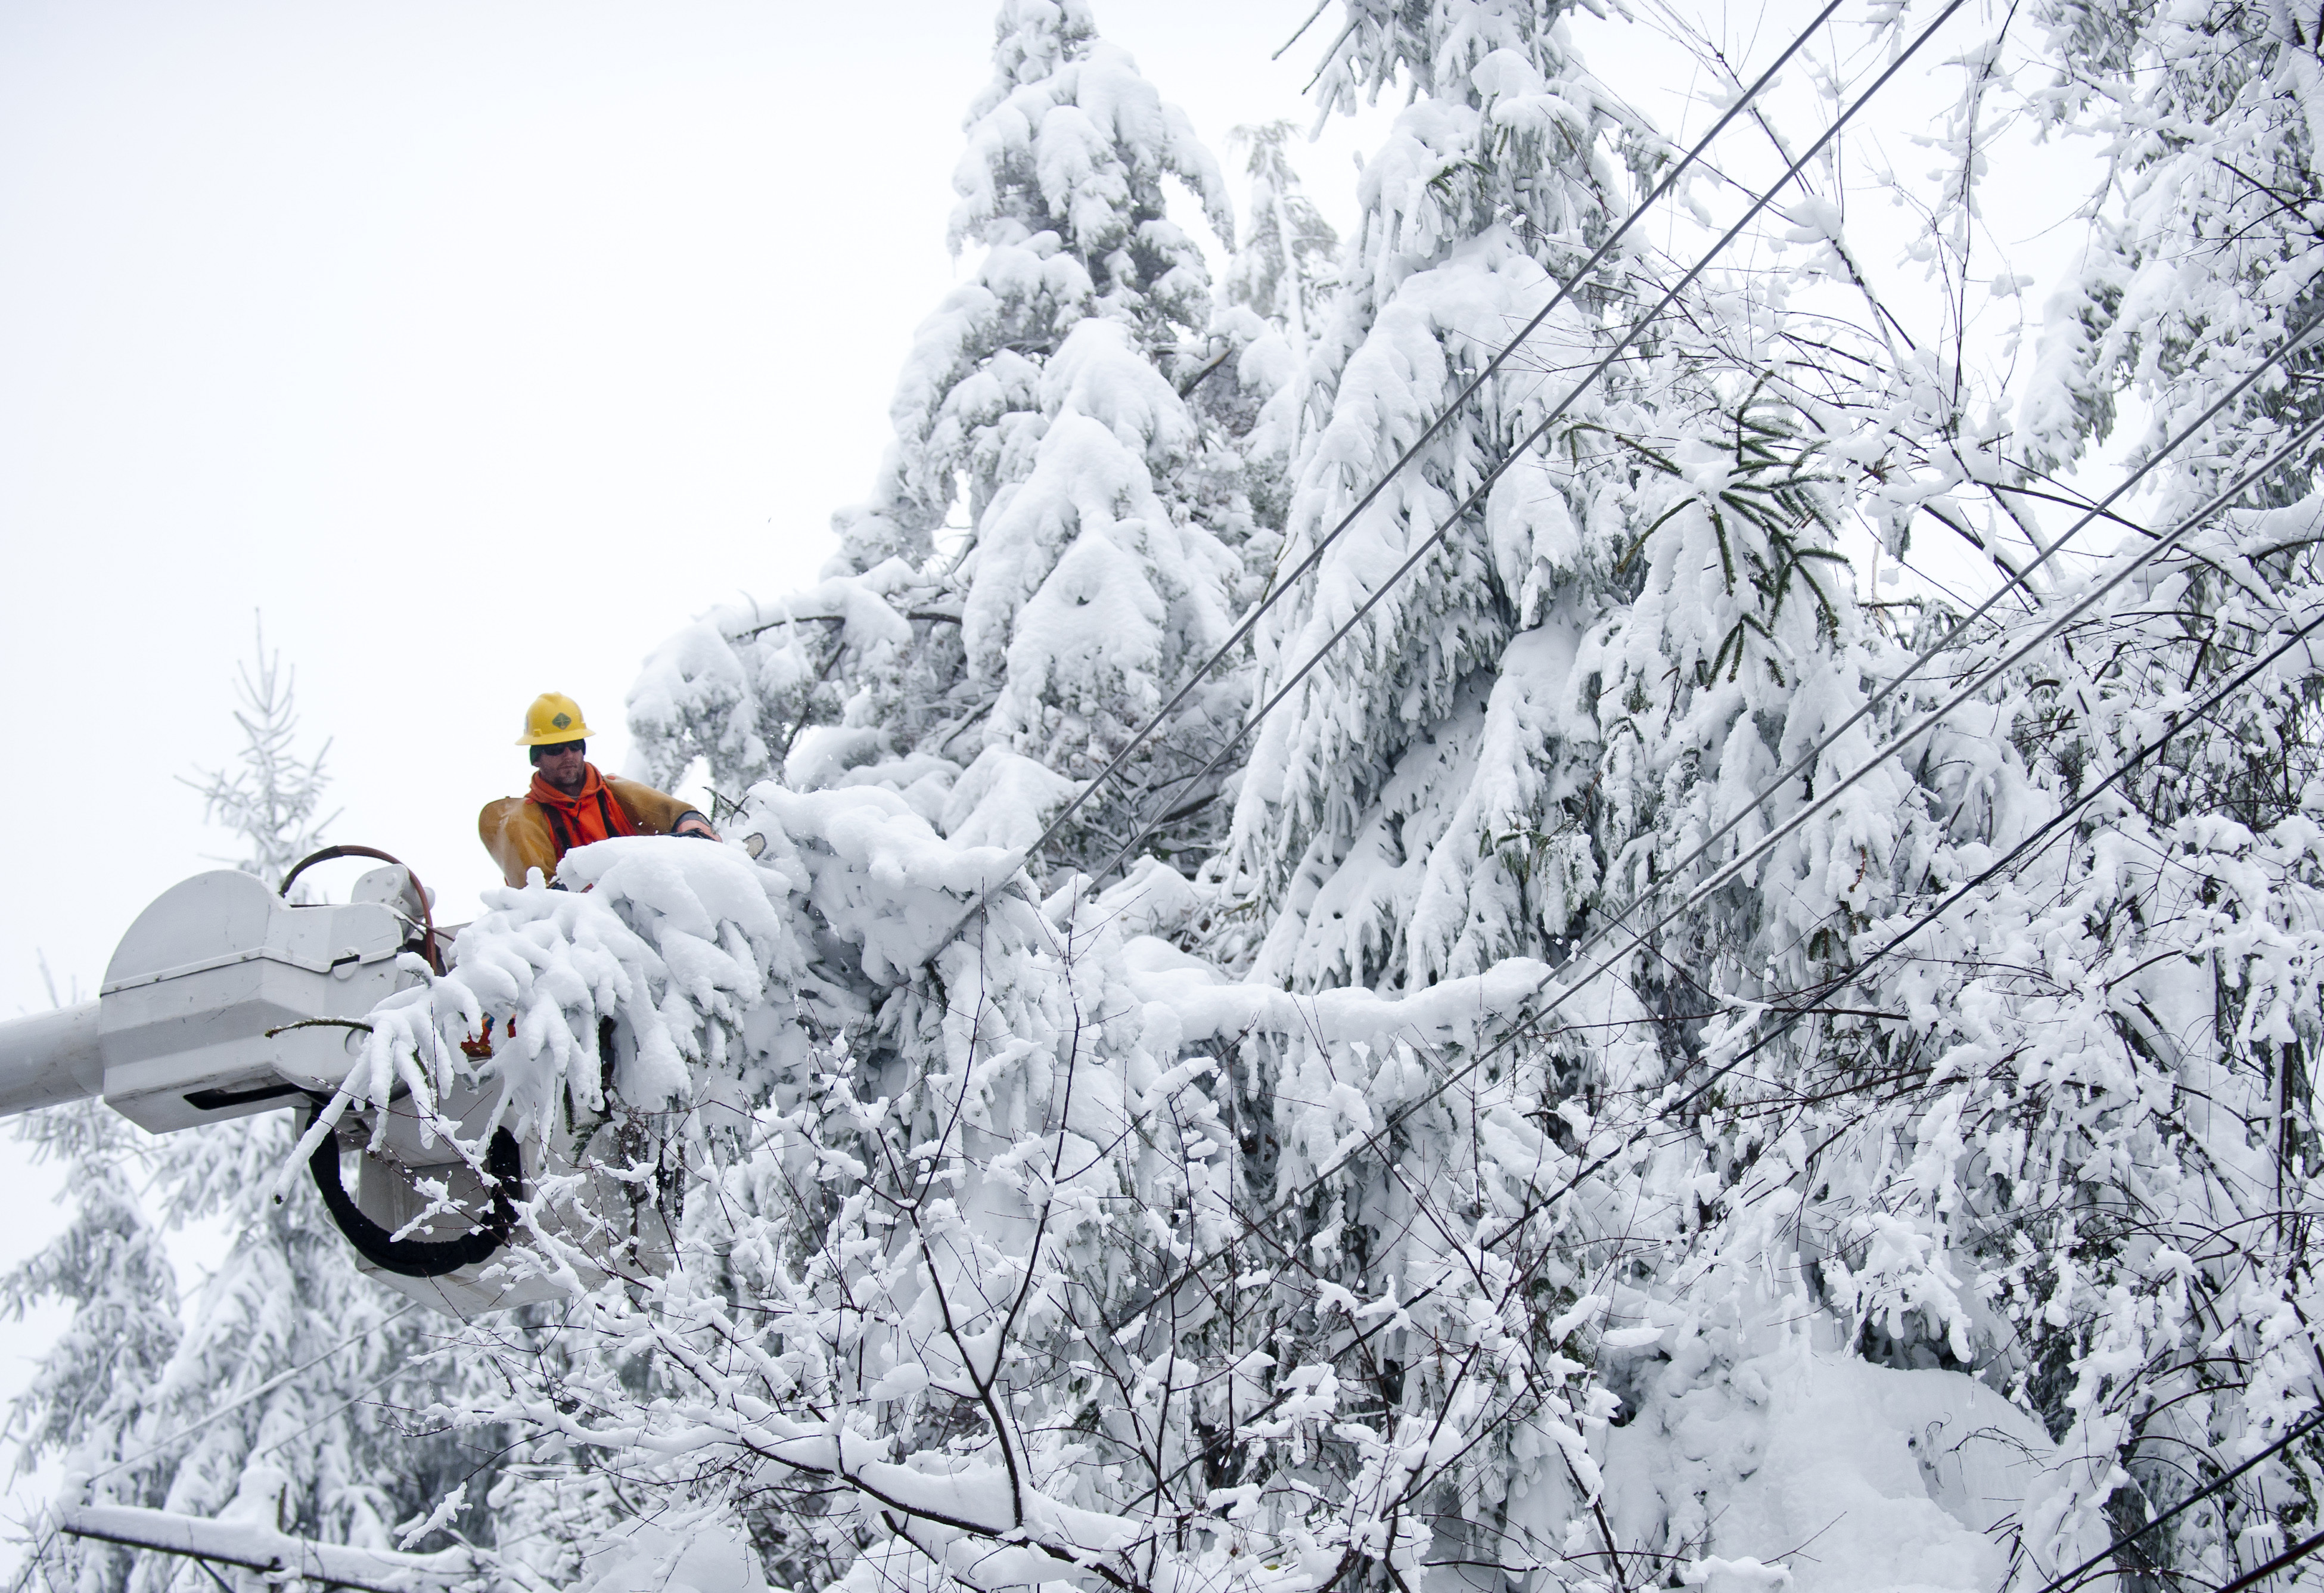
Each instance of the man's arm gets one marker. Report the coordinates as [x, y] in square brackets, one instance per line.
[511, 831]
[656, 812]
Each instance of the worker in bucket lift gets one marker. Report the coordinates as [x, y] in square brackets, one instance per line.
[570, 804]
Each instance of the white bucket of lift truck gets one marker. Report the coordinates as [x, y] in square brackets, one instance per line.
[224, 1000]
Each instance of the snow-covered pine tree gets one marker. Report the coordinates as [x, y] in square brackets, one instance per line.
[1010, 1335]
[1283, 269]
[272, 798]
[1597, 671]
[1030, 1370]
[90, 1403]
[1496, 182]
[985, 669]
[1273, 296]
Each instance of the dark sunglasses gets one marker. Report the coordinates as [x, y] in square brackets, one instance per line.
[552, 751]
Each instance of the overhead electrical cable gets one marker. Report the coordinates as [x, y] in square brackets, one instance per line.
[264, 1389]
[1817, 998]
[1799, 1009]
[2291, 344]
[2032, 842]
[2299, 1431]
[1406, 1108]
[1804, 1003]
[1928, 721]
[1887, 691]
[1379, 1137]
[1566, 291]
[1437, 537]
[1637, 937]
[2291, 1556]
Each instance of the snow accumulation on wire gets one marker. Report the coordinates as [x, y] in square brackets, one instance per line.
[1643, 1066]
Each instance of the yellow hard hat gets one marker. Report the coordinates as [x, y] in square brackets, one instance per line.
[553, 718]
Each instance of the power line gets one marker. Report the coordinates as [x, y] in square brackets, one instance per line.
[1375, 1140]
[2291, 344]
[1819, 996]
[1806, 760]
[259, 1392]
[1927, 721]
[1886, 692]
[1637, 937]
[1760, 203]
[2298, 1432]
[2017, 577]
[1952, 898]
[1932, 717]
[1437, 537]
[2297, 1552]
[1566, 291]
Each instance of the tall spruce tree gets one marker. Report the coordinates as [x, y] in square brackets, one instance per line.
[272, 799]
[1419, 820]
[1494, 184]
[91, 1404]
[1284, 267]
[984, 670]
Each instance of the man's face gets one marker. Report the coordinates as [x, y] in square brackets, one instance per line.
[561, 766]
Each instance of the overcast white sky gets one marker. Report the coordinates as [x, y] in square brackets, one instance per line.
[479, 345]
